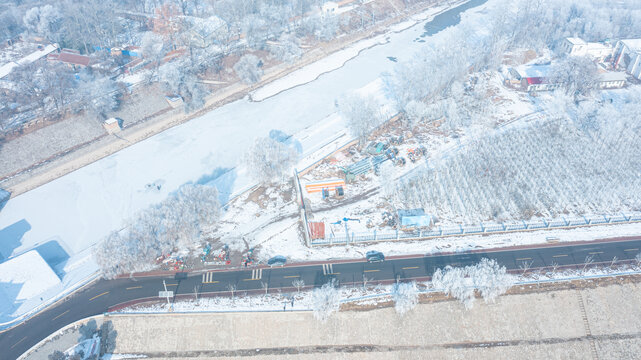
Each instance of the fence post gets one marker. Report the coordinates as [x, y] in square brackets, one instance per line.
[461, 227]
[482, 227]
[420, 233]
[524, 224]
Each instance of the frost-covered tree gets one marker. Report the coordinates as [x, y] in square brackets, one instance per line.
[269, 160]
[363, 114]
[153, 49]
[578, 75]
[181, 80]
[98, 94]
[249, 69]
[487, 277]
[10, 22]
[176, 223]
[287, 48]
[44, 20]
[329, 26]
[298, 284]
[152, 46]
[326, 300]
[415, 112]
[405, 297]
[256, 31]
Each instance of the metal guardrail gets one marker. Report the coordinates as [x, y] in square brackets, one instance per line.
[481, 228]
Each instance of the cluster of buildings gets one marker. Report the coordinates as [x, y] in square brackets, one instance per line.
[612, 63]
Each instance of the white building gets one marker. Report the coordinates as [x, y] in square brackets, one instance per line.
[579, 47]
[38, 54]
[534, 77]
[627, 55]
[329, 7]
[611, 80]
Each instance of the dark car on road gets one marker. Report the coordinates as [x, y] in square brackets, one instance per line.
[277, 261]
[374, 256]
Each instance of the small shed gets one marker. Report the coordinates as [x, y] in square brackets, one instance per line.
[611, 80]
[329, 7]
[174, 100]
[112, 125]
[317, 230]
[415, 218]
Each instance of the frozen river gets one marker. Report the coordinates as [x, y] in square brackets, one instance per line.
[65, 217]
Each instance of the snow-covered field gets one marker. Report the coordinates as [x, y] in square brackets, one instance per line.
[77, 210]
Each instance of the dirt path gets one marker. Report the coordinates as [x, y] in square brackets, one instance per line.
[61, 165]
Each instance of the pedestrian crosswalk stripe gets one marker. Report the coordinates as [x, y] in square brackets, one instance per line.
[208, 278]
[257, 274]
[328, 269]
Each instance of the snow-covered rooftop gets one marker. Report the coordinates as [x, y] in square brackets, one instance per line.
[26, 276]
[632, 44]
[8, 67]
[612, 76]
[533, 71]
[576, 41]
[597, 46]
[38, 54]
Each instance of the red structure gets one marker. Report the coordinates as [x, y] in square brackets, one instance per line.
[317, 230]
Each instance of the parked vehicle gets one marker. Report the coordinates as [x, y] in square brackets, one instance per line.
[277, 261]
[374, 256]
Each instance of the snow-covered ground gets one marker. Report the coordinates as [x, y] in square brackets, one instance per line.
[77, 210]
[23, 278]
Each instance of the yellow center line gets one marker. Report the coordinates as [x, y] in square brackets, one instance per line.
[250, 279]
[172, 284]
[99, 295]
[559, 255]
[210, 282]
[410, 267]
[631, 250]
[371, 270]
[596, 252]
[134, 287]
[19, 341]
[60, 315]
[334, 274]
[291, 276]
[519, 259]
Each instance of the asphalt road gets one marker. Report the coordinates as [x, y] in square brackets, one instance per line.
[104, 295]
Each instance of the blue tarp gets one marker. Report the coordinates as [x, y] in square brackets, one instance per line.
[418, 220]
